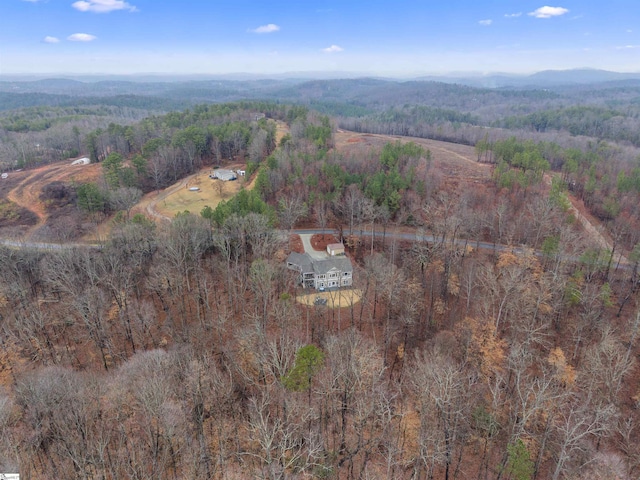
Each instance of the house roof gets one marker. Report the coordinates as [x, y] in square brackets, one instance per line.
[338, 263]
[335, 246]
[302, 260]
[224, 174]
[306, 264]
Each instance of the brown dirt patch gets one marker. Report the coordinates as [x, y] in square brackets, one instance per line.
[336, 299]
[295, 244]
[26, 187]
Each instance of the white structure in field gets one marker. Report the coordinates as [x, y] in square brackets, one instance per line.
[224, 175]
[80, 161]
[4, 175]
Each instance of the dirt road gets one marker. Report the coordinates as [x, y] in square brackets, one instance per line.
[27, 192]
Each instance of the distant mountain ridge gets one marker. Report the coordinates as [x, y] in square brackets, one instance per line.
[486, 97]
[542, 78]
[545, 78]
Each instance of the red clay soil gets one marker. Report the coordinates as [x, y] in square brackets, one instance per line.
[320, 241]
[26, 187]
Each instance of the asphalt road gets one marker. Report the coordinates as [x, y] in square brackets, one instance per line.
[307, 232]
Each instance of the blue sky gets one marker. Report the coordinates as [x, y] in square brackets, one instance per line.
[399, 38]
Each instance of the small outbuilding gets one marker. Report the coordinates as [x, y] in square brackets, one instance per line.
[334, 249]
[4, 175]
[224, 175]
[81, 161]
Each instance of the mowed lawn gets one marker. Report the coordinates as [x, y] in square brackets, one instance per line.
[210, 193]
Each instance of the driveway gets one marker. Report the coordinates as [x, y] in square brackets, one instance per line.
[306, 243]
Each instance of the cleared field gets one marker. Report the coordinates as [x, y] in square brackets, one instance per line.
[457, 163]
[339, 298]
[182, 196]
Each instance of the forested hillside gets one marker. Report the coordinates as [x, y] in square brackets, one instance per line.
[490, 334]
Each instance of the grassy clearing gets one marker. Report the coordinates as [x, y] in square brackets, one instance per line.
[339, 298]
[211, 192]
[282, 129]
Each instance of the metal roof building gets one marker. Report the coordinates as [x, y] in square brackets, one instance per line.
[224, 175]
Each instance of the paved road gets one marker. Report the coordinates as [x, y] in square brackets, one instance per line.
[46, 246]
[308, 232]
[305, 235]
[460, 242]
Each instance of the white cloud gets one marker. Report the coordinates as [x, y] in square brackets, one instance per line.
[513, 15]
[628, 47]
[486, 23]
[81, 37]
[102, 6]
[548, 12]
[333, 49]
[269, 28]
[49, 39]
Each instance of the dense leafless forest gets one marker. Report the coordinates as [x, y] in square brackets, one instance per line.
[494, 334]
